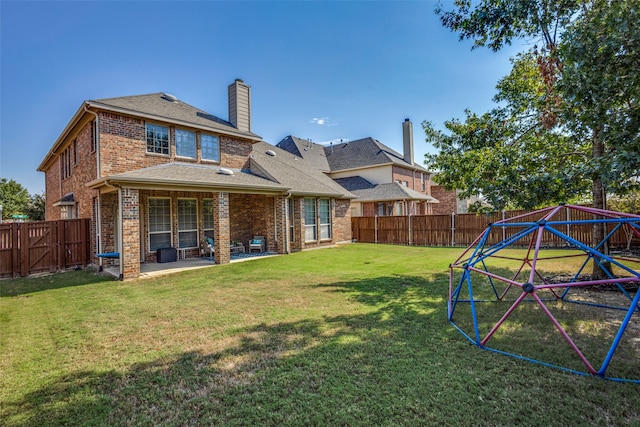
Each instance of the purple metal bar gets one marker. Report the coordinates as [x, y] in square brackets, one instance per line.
[503, 318]
[535, 253]
[564, 334]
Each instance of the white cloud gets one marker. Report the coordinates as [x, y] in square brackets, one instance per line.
[320, 120]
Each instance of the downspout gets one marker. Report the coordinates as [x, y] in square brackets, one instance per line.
[120, 229]
[98, 174]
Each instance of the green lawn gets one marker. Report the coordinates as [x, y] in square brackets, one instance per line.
[355, 335]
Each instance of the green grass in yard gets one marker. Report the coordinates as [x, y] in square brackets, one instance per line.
[355, 335]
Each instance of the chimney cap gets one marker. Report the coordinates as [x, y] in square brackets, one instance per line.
[240, 80]
[407, 120]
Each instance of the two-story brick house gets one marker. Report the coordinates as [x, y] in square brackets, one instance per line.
[384, 181]
[153, 172]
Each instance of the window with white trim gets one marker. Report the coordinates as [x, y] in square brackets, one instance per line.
[159, 223]
[324, 210]
[185, 143]
[187, 223]
[291, 210]
[210, 147]
[398, 206]
[310, 227]
[207, 208]
[157, 139]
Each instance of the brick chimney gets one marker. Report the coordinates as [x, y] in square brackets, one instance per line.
[240, 105]
[407, 141]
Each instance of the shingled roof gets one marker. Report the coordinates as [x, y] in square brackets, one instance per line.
[189, 176]
[310, 151]
[165, 107]
[299, 175]
[368, 192]
[361, 153]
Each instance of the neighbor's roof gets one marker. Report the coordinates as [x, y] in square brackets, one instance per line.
[361, 153]
[192, 177]
[368, 192]
[309, 151]
[301, 177]
[364, 152]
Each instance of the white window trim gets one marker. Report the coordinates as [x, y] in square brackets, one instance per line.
[149, 232]
[146, 142]
[189, 230]
[202, 149]
[328, 224]
[315, 224]
[204, 228]
[195, 145]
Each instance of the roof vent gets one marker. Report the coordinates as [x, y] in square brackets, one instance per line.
[169, 97]
[271, 153]
[225, 171]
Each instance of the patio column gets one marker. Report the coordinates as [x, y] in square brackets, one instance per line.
[281, 232]
[221, 232]
[130, 236]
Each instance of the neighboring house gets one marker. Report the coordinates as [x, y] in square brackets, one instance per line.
[450, 201]
[384, 181]
[154, 172]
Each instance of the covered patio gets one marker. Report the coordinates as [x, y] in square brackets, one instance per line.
[154, 269]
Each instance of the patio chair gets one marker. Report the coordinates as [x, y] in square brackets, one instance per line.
[257, 243]
[207, 245]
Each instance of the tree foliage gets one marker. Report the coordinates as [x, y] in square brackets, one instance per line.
[15, 200]
[566, 118]
[600, 84]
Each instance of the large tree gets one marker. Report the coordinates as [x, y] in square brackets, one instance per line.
[14, 198]
[569, 121]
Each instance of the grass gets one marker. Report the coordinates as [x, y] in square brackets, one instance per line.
[355, 335]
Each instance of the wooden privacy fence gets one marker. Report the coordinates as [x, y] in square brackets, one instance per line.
[463, 229]
[45, 246]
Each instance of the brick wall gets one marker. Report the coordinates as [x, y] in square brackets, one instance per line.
[342, 220]
[123, 134]
[413, 179]
[83, 170]
[448, 200]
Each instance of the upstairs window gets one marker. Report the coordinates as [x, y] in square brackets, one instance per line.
[157, 139]
[185, 143]
[210, 147]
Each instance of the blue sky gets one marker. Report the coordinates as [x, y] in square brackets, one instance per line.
[319, 70]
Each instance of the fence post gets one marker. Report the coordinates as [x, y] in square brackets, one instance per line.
[24, 248]
[410, 231]
[504, 230]
[62, 243]
[15, 245]
[453, 228]
[568, 219]
[375, 229]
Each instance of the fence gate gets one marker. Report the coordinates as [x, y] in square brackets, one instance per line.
[44, 246]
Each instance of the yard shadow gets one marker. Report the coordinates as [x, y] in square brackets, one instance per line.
[28, 285]
[398, 362]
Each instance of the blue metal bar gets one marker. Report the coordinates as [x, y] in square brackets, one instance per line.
[473, 310]
[591, 250]
[616, 340]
